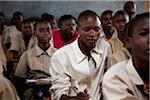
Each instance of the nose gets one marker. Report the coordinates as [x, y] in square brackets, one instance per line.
[92, 32]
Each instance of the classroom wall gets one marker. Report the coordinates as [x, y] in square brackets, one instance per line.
[58, 8]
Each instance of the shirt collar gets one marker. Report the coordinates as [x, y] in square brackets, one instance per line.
[134, 76]
[39, 51]
[80, 56]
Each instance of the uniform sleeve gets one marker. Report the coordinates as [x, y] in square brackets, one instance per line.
[60, 80]
[115, 89]
[15, 40]
[22, 66]
[111, 61]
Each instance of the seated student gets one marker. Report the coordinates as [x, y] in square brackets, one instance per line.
[129, 80]
[7, 90]
[21, 41]
[130, 8]
[120, 19]
[17, 18]
[78, 68]
[37, 59]
[66, 34]
[109, 31]
[51, 19]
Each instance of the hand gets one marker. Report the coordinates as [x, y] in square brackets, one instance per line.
[83, 95]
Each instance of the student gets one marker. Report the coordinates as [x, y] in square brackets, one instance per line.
[129, 80]
[7, 90]
[120, 19]
[51, 19]
[67, 33]
[38, 57]
[130, 9]
[78, 68]
[109, 31]
[21, 41]
[106, 19]
[17, 18]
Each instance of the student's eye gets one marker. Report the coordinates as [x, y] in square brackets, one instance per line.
[86, 29]
[144, 33]
[97, 29]
[41, 30]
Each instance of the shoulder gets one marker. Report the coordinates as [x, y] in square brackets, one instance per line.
[116, 71]
[65, 50]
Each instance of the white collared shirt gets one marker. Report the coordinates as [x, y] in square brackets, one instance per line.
[121, 82]
[70, 70]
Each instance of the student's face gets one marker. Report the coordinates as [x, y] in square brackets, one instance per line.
[2, 20]
[43, 32]
[17, 19]
[139, 42]
[119, 22]
[107, 21]
[27, 28]
[89, 30]
[68, 27]
[131, 8]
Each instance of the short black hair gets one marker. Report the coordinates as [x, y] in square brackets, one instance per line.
[39, 21]
[86, 14]
[66, 17]
[127, 3]
[119, 12]
[106, 12]
[17, 13]
[2, 14]
[44, 15]
[131, 25]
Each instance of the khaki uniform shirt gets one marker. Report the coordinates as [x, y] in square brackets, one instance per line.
[71, 73]
[34, 59]
[122, 82]
[118, 56]
[2, 54]
[7, 90]
[18, 43]
[114, 42]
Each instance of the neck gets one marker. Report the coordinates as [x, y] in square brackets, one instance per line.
[44, 46]
[108, 33]
[26, 40]
[121, 36]
[66, 36]
[85, 49]
[142, 69]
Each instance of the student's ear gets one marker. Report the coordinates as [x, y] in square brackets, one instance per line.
[77, 29]
[128, 42]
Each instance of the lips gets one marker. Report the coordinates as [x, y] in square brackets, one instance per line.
[92, 40]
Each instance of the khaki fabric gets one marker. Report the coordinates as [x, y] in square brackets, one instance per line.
[122, 82]
[18, 43]
[114, 42]
[2, 54]
[118, 56]
[70, 71]
[7, 90]
[34, 59]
